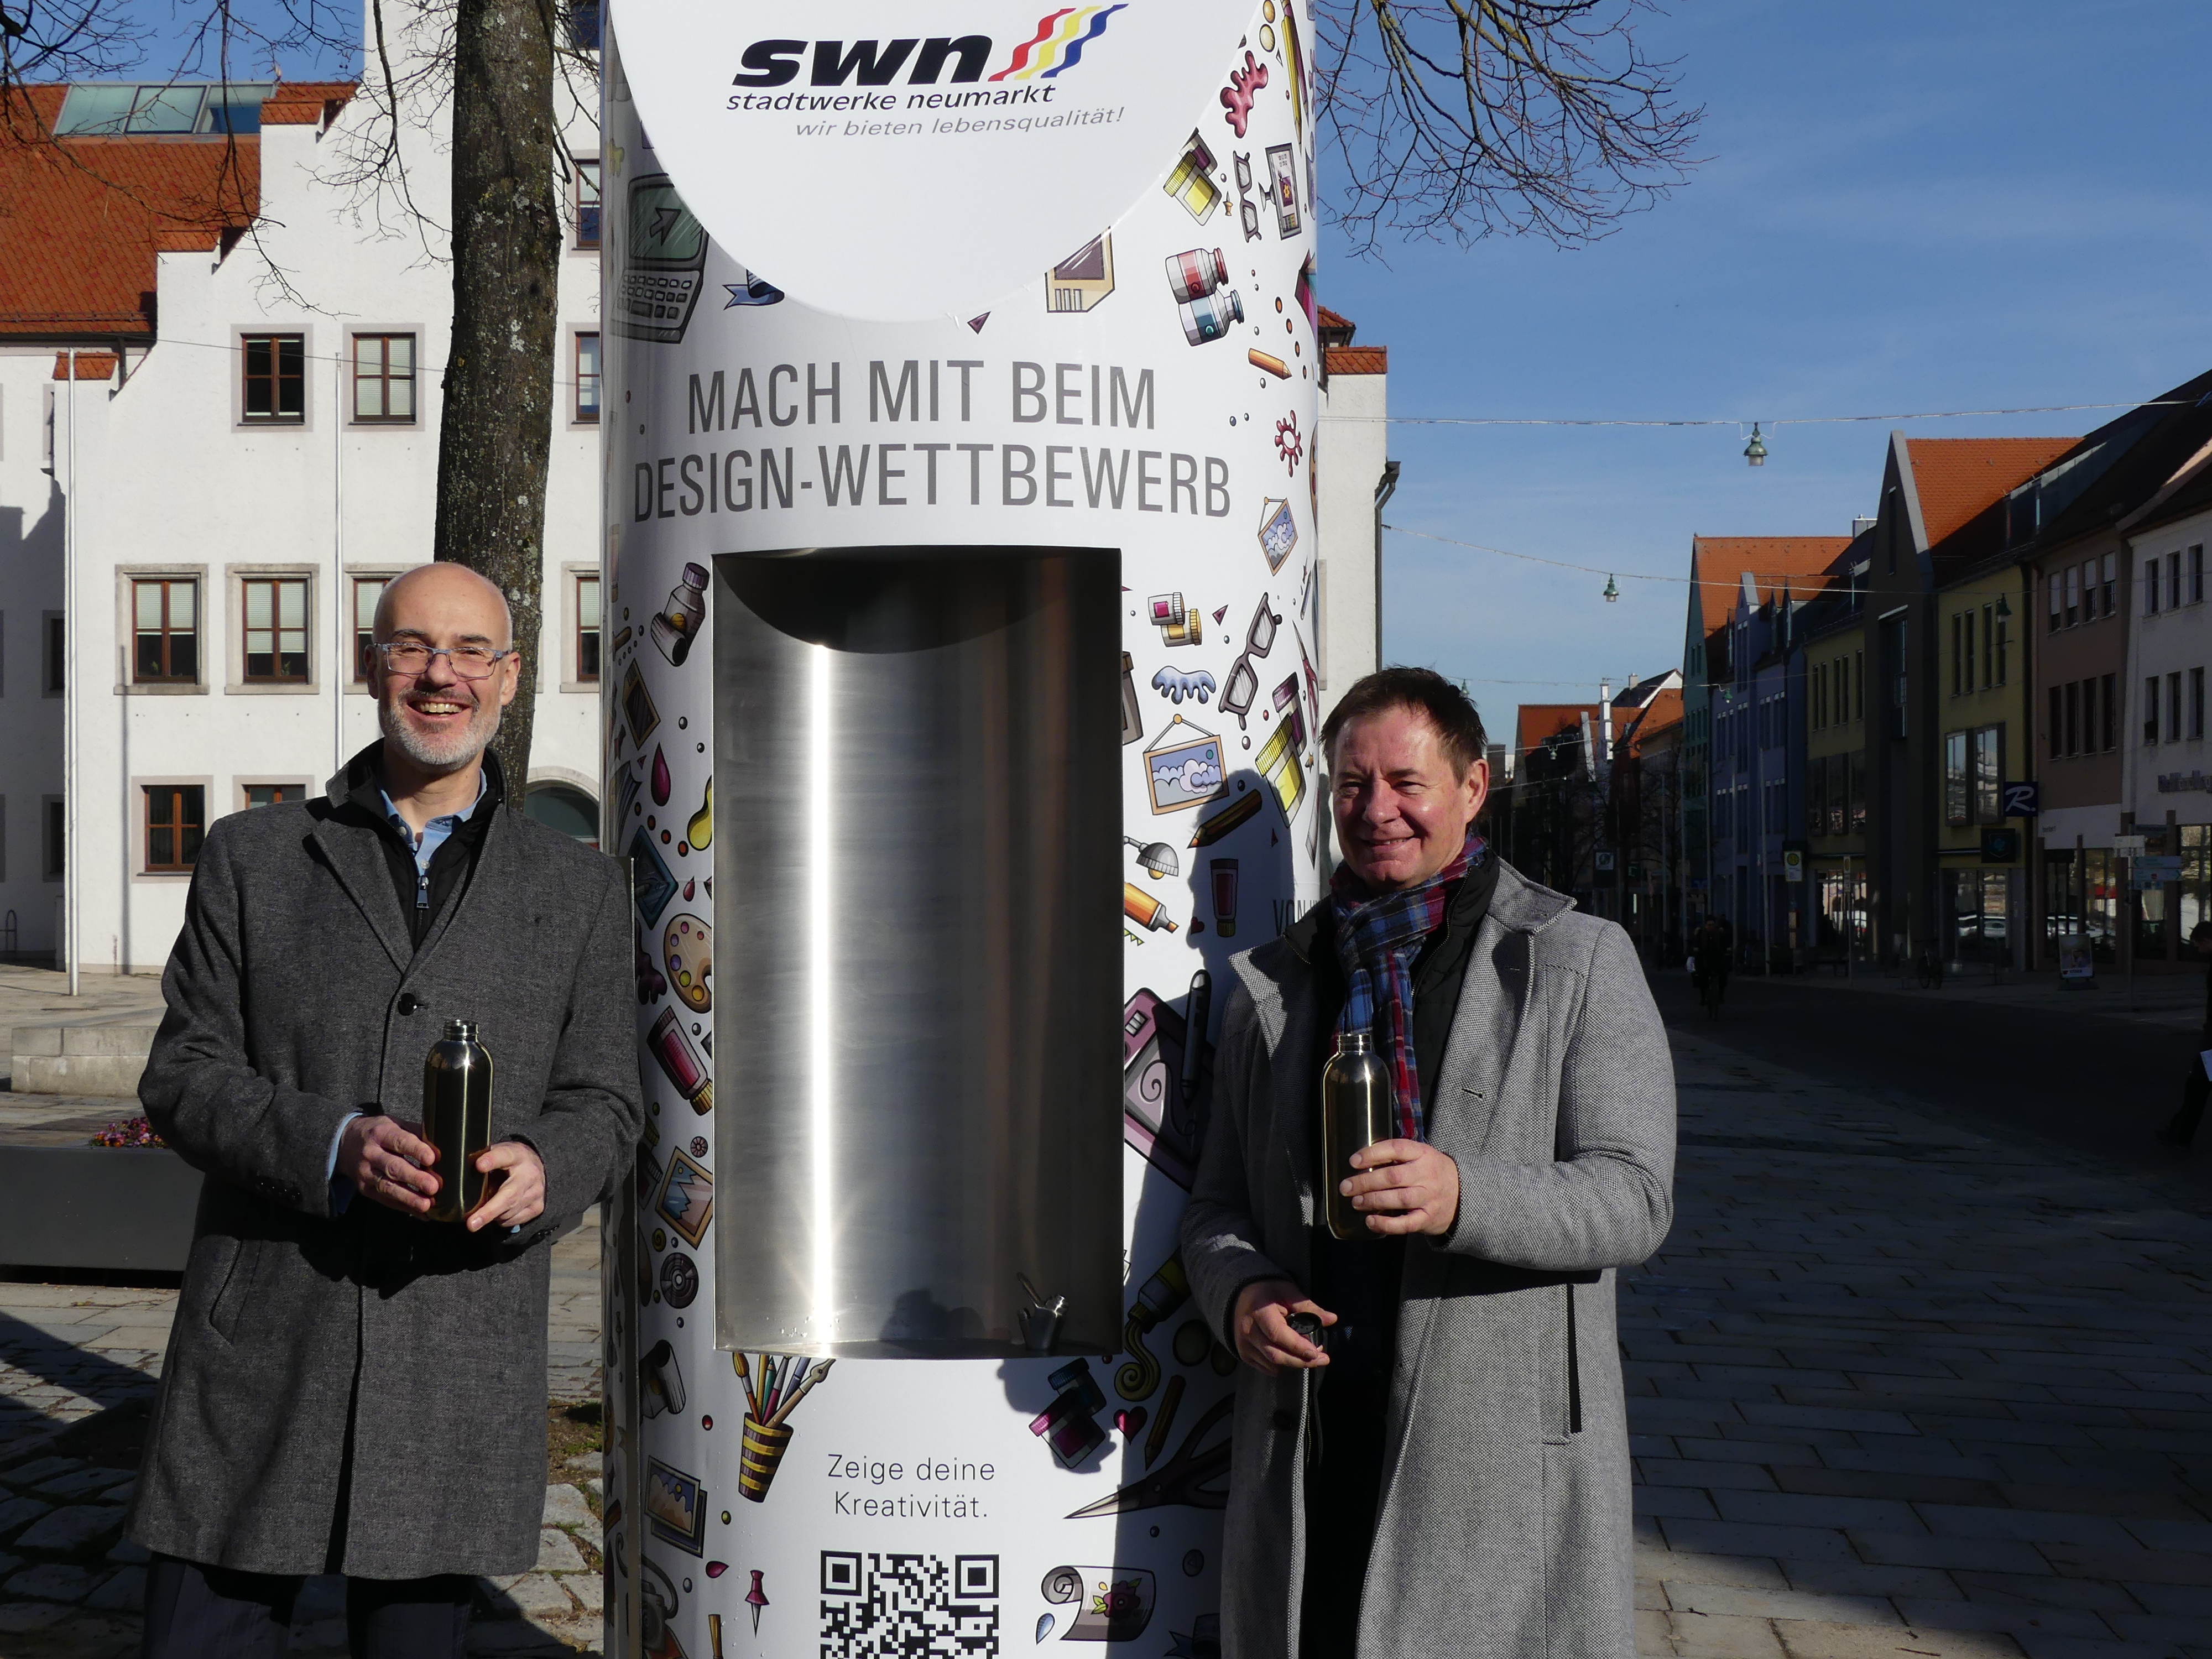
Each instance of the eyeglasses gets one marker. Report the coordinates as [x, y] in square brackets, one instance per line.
[1243, 681]
[469, 662]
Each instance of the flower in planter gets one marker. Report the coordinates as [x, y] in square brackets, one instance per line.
[129, 1132]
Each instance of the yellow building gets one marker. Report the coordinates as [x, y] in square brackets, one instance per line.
[1984, 740]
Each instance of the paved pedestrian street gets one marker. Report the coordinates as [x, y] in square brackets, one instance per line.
[1898, 1389]
[70, 1588]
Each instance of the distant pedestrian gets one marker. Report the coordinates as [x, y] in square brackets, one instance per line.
[1709, 964]
[2197, 1086]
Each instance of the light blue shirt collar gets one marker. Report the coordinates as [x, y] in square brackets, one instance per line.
[434, 832]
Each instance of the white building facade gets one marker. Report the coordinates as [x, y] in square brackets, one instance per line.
[2167, 761]
[196, 524]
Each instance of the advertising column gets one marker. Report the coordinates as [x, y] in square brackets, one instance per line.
[959, 553]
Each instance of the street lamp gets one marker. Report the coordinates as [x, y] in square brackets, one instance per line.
[1755, 451]
[1612, 592]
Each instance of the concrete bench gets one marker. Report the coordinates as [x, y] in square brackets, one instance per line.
[102, 1059]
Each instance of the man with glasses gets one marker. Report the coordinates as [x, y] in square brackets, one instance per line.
[350, 1387]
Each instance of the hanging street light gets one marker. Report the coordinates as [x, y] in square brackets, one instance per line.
[1612, 592]
[1755, 451]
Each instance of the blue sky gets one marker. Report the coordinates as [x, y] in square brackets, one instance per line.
[1979, 204]
[1905, 207]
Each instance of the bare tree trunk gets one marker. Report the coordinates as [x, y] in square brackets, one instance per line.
[498, 421]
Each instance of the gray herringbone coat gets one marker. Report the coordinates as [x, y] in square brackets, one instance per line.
[392, 1360]
[1504, 1530]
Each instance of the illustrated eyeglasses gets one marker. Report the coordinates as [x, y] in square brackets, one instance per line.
[1243, 681]
[469, 662]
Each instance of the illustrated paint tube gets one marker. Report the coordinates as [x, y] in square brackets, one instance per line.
[1209, 318]
[1196, 272]
[1277, 763]
[1141, 906]
[681, 1061]
[1224, 872]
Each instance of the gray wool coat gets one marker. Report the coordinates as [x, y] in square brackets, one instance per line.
[1505, 1526]
[372, 1377]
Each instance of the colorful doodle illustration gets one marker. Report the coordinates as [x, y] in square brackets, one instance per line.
[650, 984]
[1081, 280]
[756, 1599]
[1171, 1403]
[699, 831]
[1269, 363]
[1284, 191]
[686, 1200]
[1174, 685]
[1221, 874]
[681, 1062]
[1112, 1604]
[1288, 443]
[775, 1384]
[1195, 273]
[676, 625]
[657, 1627]
[664, 264]
[1236, 97]
[1211, 317]
[1160, 1078]
[662, 781]
[1281, 761]
[1155, 858]
[1233, 817]
[675, 1507]
[1184, 767]
[751, 291]
[1069, 1426]
[1133, 711]
[1243, 681]
[1196, 1476]
[662, 1379]
[1178, 623]
[1247, 210]
[1144, 909]
[679, 1280]
[638, 709]
[650, 884]
[1203, 1640]
[686, 950]
[1167, 1290]
[1191, 180]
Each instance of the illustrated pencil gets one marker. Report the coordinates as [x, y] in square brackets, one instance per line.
[1274, 366]
[1228, 818]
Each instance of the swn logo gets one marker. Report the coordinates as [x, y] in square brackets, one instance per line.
[1056, 47]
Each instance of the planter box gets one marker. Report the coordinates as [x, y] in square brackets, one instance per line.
[96, 1206]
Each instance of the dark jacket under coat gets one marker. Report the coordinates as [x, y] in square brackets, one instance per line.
[366, 1393]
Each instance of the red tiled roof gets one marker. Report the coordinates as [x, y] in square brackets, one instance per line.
[1958, 479]
[1536, 722]
[1660, 716]
[304, 103]
[90, 365]
[1357, 360]
[1332, 319]
[1717, 563]
[82, 219]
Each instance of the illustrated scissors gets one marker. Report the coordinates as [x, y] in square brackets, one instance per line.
[1184, 1479]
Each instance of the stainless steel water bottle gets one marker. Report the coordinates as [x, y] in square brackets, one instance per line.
[1355, 1112]
[457, 1118]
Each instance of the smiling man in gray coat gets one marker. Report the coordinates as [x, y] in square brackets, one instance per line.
[1443, 1473]
[350, 1387]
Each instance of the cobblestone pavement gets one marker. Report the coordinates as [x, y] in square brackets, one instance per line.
[1898, 1390]
[69, 1586]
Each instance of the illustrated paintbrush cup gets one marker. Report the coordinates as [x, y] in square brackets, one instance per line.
[760, 1453]
[457, 1118]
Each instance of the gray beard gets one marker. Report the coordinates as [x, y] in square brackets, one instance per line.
[465, 746]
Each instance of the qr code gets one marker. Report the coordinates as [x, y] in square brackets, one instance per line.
[909, 1606]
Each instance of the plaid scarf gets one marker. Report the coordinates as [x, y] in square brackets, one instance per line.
[1376, 940]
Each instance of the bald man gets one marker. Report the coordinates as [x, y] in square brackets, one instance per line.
[351, 1387]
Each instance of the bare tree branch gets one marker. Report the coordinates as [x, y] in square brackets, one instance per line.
[1472, 117]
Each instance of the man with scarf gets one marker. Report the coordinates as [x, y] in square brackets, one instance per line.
[1431, 1451]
